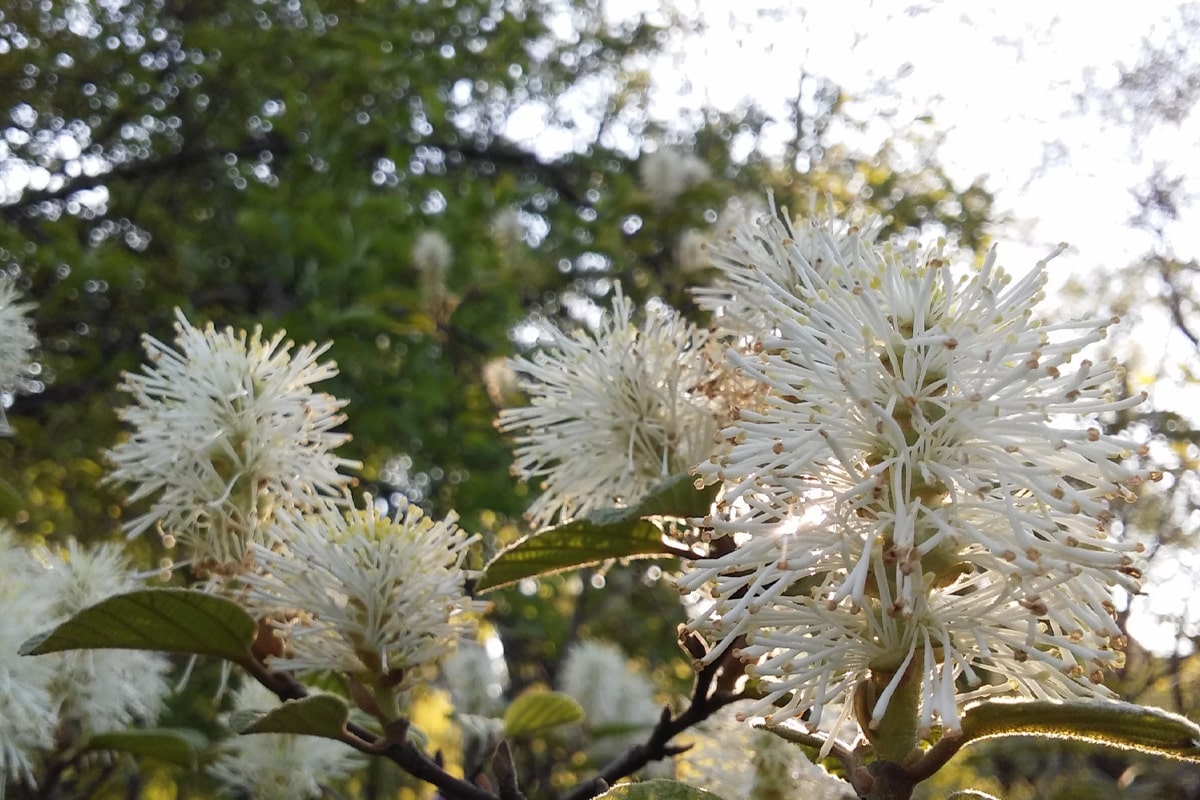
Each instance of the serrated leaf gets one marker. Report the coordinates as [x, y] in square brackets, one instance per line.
[174, 745]
[601, 535]
[538, 710]
[659, 789]
[1123, 725]
[323, 715]
[167, 620]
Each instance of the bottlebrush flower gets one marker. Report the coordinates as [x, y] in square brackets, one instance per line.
[364, 593]
[227, 431]
[17, 341]
[925, 491]
[614, 412]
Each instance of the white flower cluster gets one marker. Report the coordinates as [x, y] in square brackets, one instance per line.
[618, 702]
[226, 432]
[237, 450]
[363, 593]
[925, 493]
[915, 484]
[17, 341]
[86, 691]
[613, 412]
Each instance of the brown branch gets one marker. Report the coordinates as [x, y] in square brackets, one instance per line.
[701, 706]
[1175, 304]
[401, 751]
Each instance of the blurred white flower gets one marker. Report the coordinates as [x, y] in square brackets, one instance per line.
[692, 252]
[507, 227]
[501, 381]
[278, 766]
[100, 690]
[432, 256]
[618, 702]
[477, 676]
[668, 173]
[925, 491]
[737, 762]
[28, 712]
[17, 341]
[614, 412]
[227, 431]
[364, 593]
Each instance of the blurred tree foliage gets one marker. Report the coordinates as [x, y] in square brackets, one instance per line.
[274, 163]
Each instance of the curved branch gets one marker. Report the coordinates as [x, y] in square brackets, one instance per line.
[400, 750]
[702, 705]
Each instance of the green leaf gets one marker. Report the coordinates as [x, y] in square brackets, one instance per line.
[578, 543]
[659, 789]
[174, 745]
[1123, 725]
[678, 497]
[323, 715]
[599, 536]
[169, 620]
[538, 710]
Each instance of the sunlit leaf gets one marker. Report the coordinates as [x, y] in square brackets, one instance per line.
[599, 536]
[168, 620]
[576, 544]
[1123, 725]
[536, 711]
[323, 715]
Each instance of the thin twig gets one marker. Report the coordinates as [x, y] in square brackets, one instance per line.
[701, 706]
[506, 773]
[402, 751]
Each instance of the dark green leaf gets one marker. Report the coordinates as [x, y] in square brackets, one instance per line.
[659, 790]
[576, 544]
[323, 715]
[678, 496]
[175, 746]
[599, 536]
[169, 620]
[1123, 725]
[536, 711]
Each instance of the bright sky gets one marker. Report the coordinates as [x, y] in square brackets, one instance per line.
[999, 78]
[1001, 81]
